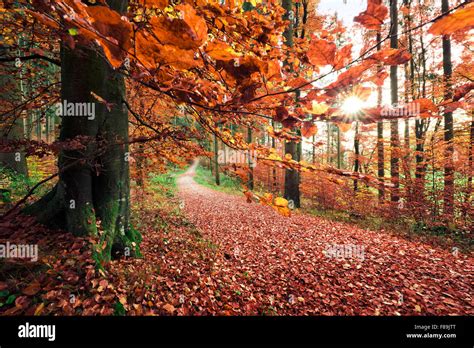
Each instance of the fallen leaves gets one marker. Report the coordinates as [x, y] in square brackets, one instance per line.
[32, 289]
[232, 258]
[290, 274]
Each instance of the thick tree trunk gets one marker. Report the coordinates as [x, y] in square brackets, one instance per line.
[469, 197]
[94, 181]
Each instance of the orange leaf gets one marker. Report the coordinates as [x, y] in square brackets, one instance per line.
[281, 113]
[344, 127]
[374, 16]
[343, 57]
[462, 19]
[32, 289]
[188, 31]
[321, 52]
[161, 4]
[392, 56]
[39, 309]
[221, 51]
[115, 33]
[169, 308]
[309, 129]
[249, 196]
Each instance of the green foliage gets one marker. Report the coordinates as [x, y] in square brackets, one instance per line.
[166, 182]
[119, 309]
[134, 238]
[10, 299]
[227, 184]
[16, 186]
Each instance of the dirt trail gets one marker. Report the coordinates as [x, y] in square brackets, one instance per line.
[287, 265]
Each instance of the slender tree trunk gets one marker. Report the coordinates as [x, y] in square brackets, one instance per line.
[380, 139]
[409, 96]
[356, 154]
[394, 136]
[216, 161]
[274, 171]
[421, 127]
[328, 142]
[448, 124]
[250, 182]
[339, 153]
[292, 177]
[12, 128]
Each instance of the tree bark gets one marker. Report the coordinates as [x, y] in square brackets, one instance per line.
[380, 139]
[94, 182]
[216, 161]
[292, 177]
[448, 206]
[469, 197]
[14, 128]
[394, 136]
[356, 154]
[250, 183]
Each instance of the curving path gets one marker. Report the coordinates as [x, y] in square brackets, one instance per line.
[280, 265]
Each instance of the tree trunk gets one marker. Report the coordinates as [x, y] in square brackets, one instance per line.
[250, 160]
[13, 127]
[421, 127]
[448, 124]
[394, 137]
[356, 155]
[380, 139]
[216, 161]
[339, 153]
[94, 182]
[292, 177]
[471, 160]
[274, 171]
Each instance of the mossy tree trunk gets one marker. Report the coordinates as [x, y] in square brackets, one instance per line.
[94, 182]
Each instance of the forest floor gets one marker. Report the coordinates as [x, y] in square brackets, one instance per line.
[206, 252]
[289, 268]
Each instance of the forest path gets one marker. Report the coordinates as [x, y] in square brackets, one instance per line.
[284, 266]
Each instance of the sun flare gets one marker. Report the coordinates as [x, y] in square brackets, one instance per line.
[352, 105]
